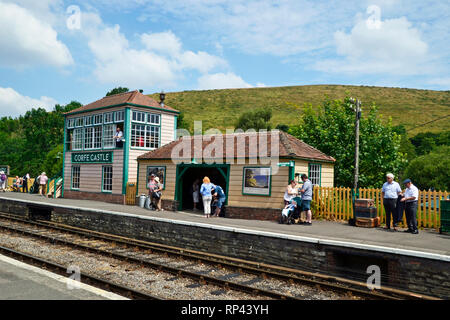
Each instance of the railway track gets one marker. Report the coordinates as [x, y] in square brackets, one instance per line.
[123, 248]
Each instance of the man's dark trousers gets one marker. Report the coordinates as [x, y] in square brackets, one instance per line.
[411, 219]
[390, 207]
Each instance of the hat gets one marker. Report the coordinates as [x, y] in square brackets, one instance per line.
[407, 181]
[43, 173]
[157, 179]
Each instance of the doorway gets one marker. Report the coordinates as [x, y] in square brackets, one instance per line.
[188, 173]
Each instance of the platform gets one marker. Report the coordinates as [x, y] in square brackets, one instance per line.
[426, 244]
[418, 263]
[20, 281]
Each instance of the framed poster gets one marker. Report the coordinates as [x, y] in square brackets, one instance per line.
[257, 181]
[160, 172]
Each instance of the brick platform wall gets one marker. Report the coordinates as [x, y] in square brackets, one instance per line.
[252, 213]
[106, 197]
[421, 275]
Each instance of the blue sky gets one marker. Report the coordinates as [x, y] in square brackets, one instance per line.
[55, 51]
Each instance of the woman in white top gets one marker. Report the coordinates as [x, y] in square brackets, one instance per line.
[291, 192]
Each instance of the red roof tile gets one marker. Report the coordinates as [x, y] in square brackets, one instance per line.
[288, 147]
[132, 97]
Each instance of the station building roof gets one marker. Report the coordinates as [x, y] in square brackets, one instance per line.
[288, 147]
[131, 98]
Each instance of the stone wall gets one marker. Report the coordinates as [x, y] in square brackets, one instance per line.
[426, 276]
[96, 196]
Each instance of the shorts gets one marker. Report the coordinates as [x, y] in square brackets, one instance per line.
[220, 202]
[306, 205]
[196, 196]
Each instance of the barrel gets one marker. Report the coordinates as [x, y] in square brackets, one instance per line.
[142, 200]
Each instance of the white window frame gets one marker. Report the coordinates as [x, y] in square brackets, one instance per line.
[88, 121]
[79, 122]
[77, 139]
[98, 119]
[88, 138]
[156, 116]
[139, 116]
[119, 116]
[106, 179]
[108, 117]
[144, 131]
[71, 123]
[108, 137]
[76, 178]
[97, 137]
[314, 172]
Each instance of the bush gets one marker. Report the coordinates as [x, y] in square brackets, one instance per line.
[431, 171]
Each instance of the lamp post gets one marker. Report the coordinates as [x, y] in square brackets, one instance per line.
[357, 108]
[162, 97]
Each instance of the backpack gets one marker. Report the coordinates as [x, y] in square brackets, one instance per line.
[3, 177]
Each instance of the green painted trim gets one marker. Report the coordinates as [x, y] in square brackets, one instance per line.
[103, 174]
[137, 183]
[175, 126]
[320, 172]
[146, 175]
[126, 149]
[291, 173]
[183, 167]
[152, 108]
[64, 158]
[91, 110]
[253, 194]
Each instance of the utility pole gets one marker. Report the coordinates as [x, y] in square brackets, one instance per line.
[357, 108]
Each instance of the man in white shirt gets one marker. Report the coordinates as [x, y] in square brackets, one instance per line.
[118, 138]
[411, 198]
[390, 192]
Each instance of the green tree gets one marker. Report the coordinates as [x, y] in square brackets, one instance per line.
[282, 127]
[425, 142]
[406, 147]
[257, 119]
[117, 90]
[431, 171]
[331, 129]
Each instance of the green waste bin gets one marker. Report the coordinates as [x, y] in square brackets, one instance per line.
[445, 216]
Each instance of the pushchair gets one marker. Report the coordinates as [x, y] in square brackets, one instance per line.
[292, 212]
[35, 187]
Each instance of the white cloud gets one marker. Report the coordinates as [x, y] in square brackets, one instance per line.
[395, 48]
[159, 62]
[14, 104]
[221, 81]
[28, 41]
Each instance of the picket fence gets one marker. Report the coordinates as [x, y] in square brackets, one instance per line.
[336, 204]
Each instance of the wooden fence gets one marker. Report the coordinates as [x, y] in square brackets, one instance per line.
[336, 204]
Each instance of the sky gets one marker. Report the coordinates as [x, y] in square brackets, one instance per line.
[56, 51]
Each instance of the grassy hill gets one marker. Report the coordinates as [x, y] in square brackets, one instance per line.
[220, 108]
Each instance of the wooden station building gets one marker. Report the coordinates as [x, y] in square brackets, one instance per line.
[95, 166]
[254, 188]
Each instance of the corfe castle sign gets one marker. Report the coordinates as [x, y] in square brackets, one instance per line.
[92, 157]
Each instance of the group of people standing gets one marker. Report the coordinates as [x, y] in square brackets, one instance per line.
[22, 183]
[293, 190]
[391, 192]
[212, 195]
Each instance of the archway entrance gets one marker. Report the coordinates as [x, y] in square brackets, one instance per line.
[186, 175]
